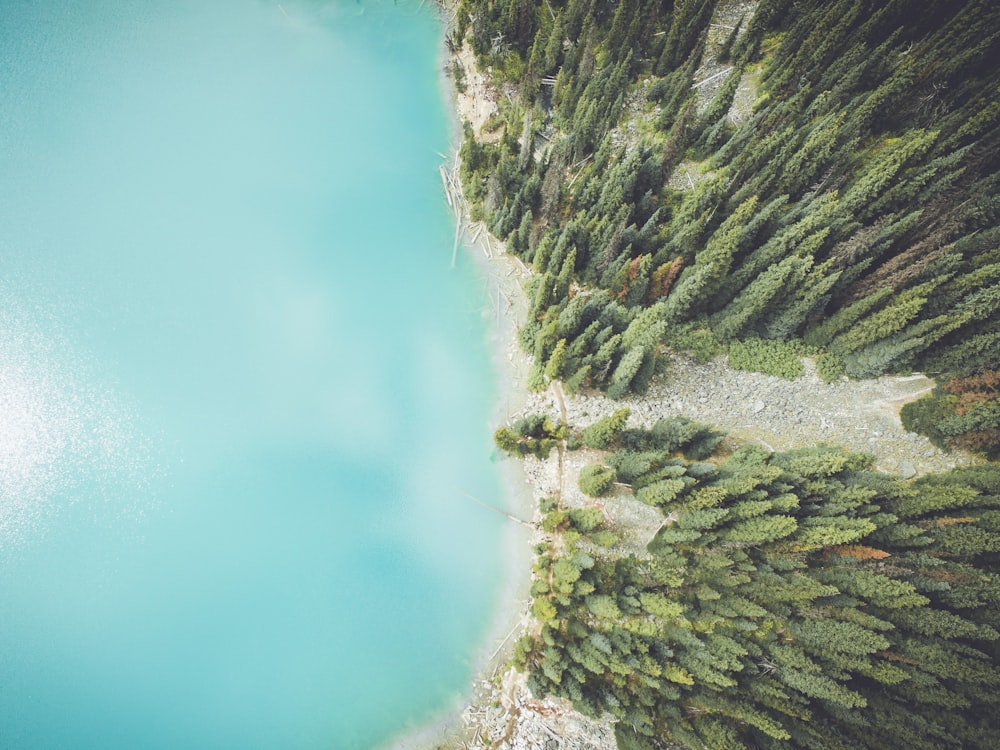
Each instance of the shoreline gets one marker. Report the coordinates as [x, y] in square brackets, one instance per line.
[497, 710]
[504, 309]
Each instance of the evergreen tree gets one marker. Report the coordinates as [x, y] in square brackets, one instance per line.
[867, 170]
[766, 605]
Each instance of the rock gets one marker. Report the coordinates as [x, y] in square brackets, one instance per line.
[757, 406]
[907, 469]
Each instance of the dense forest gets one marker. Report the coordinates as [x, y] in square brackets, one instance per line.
[788, 600]
[849, 212]
[772, 181]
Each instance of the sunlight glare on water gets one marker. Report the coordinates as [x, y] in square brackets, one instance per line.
[57, 431]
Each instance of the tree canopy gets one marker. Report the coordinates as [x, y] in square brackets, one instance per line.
[853, 206]
[788, 600]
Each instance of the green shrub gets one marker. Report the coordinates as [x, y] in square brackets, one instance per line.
[700, 343]
[604, 538]
[926, 415]
[780, 358]
[830, 367]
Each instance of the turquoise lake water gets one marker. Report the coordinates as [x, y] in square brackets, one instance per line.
[242, 390]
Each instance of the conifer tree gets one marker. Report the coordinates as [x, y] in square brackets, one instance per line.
[766, 603]
[871, 155]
